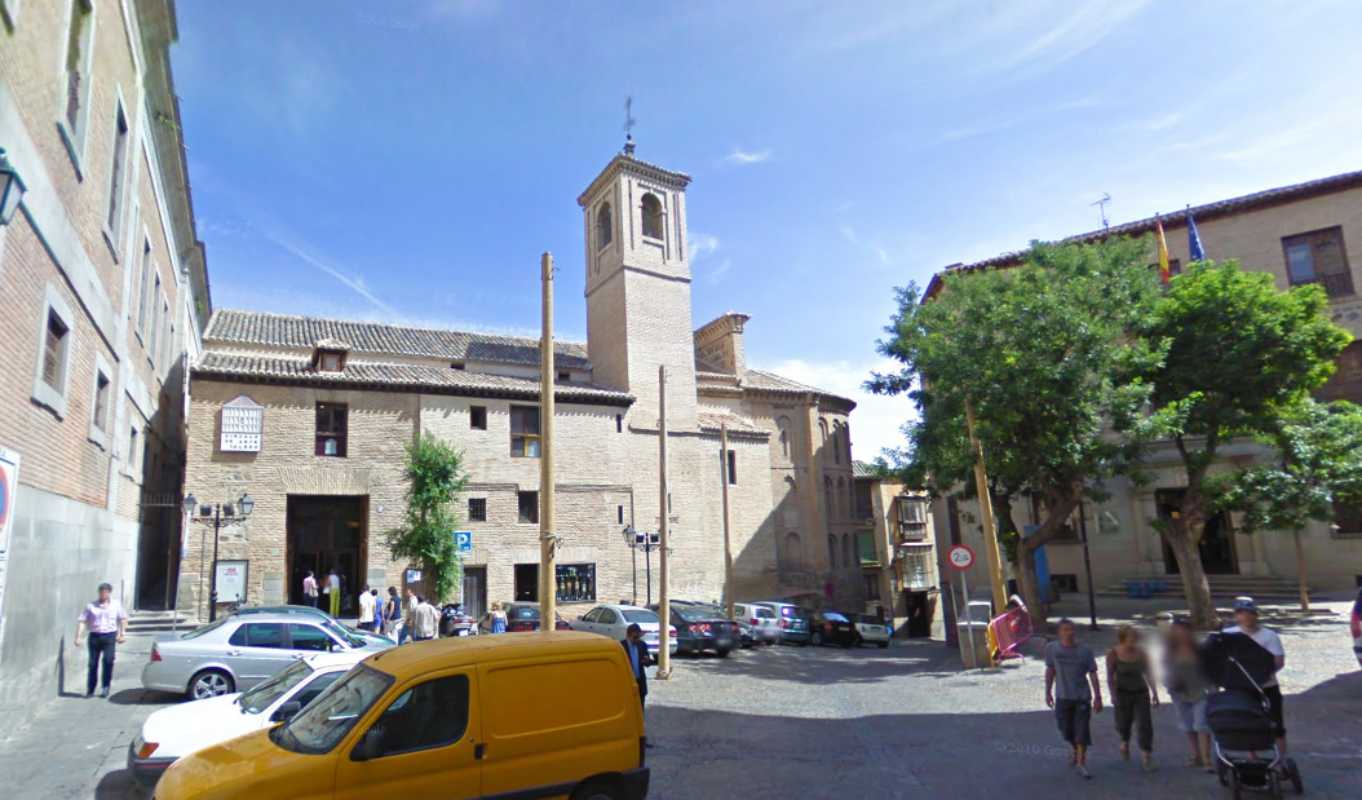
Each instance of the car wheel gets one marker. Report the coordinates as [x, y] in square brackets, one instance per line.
[857, 642]
[721, 653]
[598, 790]
[210, 683]
[816, 639]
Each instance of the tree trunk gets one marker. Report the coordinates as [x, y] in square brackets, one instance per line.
[1301, 577]
[1194, 583]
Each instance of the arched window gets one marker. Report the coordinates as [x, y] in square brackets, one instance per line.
[823, 435]
[837, 442]
[783, 425]
[792, 552]
[841, 499]
[827, 496]
[832, 551]
[604, 233]
[848, 557]
[652, 216]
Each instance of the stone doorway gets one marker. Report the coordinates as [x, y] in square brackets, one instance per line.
[1217, 538]
[325, 532]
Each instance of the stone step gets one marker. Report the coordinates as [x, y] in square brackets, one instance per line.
[159, 621]
[1260, 588]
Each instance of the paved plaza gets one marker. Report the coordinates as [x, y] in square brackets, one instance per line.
[786, 722]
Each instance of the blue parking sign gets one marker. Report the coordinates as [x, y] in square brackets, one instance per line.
[463, 541]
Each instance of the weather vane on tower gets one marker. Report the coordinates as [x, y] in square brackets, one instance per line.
[629, 123]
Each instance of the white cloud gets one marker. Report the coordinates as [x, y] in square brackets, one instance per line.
[701, 245]
[874, 248]
[351, 280]
[876, 421]
[745, 157]
[1085, 25]
[717, 273]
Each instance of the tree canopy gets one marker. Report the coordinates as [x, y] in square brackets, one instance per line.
[435, 477]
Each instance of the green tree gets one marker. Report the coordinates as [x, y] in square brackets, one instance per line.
[1318, 464]
[1240, 353]
[435, 477]
[1045, 354]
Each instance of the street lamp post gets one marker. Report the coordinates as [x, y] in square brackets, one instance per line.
[647, 542]
[212, 514]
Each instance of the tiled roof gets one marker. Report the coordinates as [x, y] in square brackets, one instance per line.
[862, 469]
[1178, 219]
[712, 419]
[392, 377]
[282, 330]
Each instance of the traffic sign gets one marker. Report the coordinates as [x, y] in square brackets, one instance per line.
[463, 541]
[961, 557]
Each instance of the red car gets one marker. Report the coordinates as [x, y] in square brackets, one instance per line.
[522, 617]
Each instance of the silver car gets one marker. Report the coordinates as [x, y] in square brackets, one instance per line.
[237, 652]
[613, 620]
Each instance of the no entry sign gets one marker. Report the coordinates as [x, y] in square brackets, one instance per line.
[961, 557]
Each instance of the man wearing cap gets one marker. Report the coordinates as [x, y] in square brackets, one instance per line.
[107, 624]
[1246, 614]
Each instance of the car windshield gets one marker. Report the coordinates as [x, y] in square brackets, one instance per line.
[264, 694]
[639, 616]
[209, 628]
[694, 613]
[765, 613]
[351, 638]
[326, 720]
[522, 612]
[834, 616]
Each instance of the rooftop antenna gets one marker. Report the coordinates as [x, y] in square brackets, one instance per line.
[1102, 208]
[629, 123]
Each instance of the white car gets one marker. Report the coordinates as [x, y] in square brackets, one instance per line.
[871, 630]
[764, 623]
[614, 621]
[182, 729]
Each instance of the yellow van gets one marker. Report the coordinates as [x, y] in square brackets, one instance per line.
[551, 714]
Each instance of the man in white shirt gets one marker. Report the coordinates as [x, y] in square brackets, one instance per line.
[366, 610]
[107, 625]
[427, 620]
[1246, 614]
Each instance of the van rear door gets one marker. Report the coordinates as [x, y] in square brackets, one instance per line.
[552, 722]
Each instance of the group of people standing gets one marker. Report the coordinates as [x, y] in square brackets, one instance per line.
[1074, 691]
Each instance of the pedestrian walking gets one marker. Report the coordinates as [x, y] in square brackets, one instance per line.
[427, 621]
[366, 610]
[1133, 691]
[332, 590]
[638, 659]
[1070, 669]
[409, 616]
[498, 618]
[310, 589]
[107, 625]
[1246, 614]
[377, 611]
[1188, 687]
[392, 614]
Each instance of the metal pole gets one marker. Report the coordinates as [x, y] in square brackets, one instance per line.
[728, 547]
[213, 580]
[664, 659]
[1087, 567]
[633, 556]
[995, 560]
[969, 620]
[548, 583]
[648, 564]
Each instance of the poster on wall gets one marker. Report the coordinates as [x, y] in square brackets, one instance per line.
[232, 581]
[243, 426]
[9, 490]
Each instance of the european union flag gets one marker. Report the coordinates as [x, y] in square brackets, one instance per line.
[1194, 249]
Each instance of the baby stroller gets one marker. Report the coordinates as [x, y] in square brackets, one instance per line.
[1242, 730]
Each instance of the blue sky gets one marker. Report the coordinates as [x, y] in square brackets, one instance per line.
[408, 161]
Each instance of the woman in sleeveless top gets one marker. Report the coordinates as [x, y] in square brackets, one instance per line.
[1133, 692]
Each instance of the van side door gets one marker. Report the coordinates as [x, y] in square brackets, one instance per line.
[425, 745]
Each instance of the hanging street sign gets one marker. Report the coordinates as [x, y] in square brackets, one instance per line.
[463, 541]
[961, 557]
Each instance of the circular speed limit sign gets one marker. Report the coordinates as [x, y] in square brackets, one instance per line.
[961, 557]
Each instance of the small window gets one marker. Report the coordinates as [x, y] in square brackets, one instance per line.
[1319, 257]
[330, 361]
[652, 216]
[259, 634]
[1348, 520]
[155, 317]
[619, 423]
[525, 431]
[576, 583]
[101, 415]
[832, 551]
[457, 366]
[619, 514]
[431, 714]
[144, 298]
[55, 347]
[76, 76]
[477, 418]
[331, 429]
[477, 509]
[309, 637]
[132, 448]
[604, 232]
[116, 171]
[732, 466]
[529, 506]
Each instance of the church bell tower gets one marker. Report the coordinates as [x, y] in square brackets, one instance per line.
[638, 286]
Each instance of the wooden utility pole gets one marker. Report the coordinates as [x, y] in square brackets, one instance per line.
[995, 561]
[728, 545]
[548, 584]
[664, 607]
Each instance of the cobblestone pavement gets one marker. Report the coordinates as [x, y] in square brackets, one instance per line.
[787, 722]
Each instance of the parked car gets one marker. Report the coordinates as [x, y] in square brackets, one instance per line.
[831, 627]
[453, 622]
[741, 631]
[521, 618]
[237, 652]
[613, 620]
[871, 630]
[761, 621]
[793, 622]
[179, 730]
[369, 636]
[554, 714]
[700, 629]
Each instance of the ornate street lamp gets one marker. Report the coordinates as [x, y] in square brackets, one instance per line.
[212, 514]
[647, 542]
[11, 189]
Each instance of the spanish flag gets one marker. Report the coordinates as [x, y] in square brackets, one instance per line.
[1164, 271]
